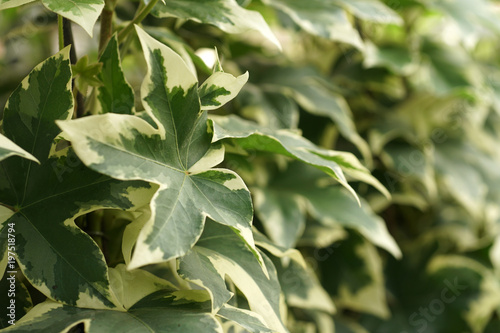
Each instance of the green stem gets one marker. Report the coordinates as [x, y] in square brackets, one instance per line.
[61, 32]
[94, 226]
[141, 15]
[106, 23]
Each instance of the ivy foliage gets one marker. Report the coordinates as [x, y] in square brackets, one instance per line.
[250, 166]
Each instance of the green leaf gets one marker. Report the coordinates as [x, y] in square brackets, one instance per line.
[4, 4]
[252, 136]
[49, 246]
[160, 312]
[82, 12]
[321, 18]
[115, 95]
[220, 252]
[219, 89]
[371, 10]
[86, 75]
[226, 15]
[9, 148]
[177, 155]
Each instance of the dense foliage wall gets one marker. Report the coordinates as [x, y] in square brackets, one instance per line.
[250, 166]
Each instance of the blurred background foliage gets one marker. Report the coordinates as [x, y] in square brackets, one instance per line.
[412, 88]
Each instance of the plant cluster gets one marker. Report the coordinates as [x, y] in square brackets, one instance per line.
[250, 166]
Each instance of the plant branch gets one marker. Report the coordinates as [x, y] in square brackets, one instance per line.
[141, 15]
[60, 31]
[106, 23]
[68, 40]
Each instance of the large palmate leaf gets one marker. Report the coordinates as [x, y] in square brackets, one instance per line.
[249, 135]
[159, 312]
[177, 155]
[4, 4]
[227, 15]
[220, 252]
[52, 252]
[115, 95]
[321, 18]
[82, 12]
[9, 148]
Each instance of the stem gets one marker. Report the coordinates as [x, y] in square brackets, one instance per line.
[68, 39]
[106, 23]
[141, 15]
[94, 226]
[61, 32]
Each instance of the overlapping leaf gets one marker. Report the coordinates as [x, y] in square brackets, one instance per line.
[300, 188]
[9, 148]
[177, 155]
[311, 92]
[321, 18]
[218, 253]
[159, 312]
[227, 15]
[82, 12]
[252, 136]
[4, 4]
[354, 272]
[46, 198]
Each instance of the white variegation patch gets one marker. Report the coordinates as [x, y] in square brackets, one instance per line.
[131, 286]
[226, 81]
[258, 301]
[4, 4]
[96, 130]
[175, 66]
[213, 157]
[85, 300]
[9, 148]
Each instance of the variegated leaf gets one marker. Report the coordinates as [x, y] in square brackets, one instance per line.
[330, 205]
[248, 320]
[219, 89]
[177, 155]
[162, 312]
[9, 148]
[371, 10]
[321, 18]
[252, 136]
[49, 246]
[220, 252]
[227, 15]
[82, 12]
[4, 4]
[355, 277]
